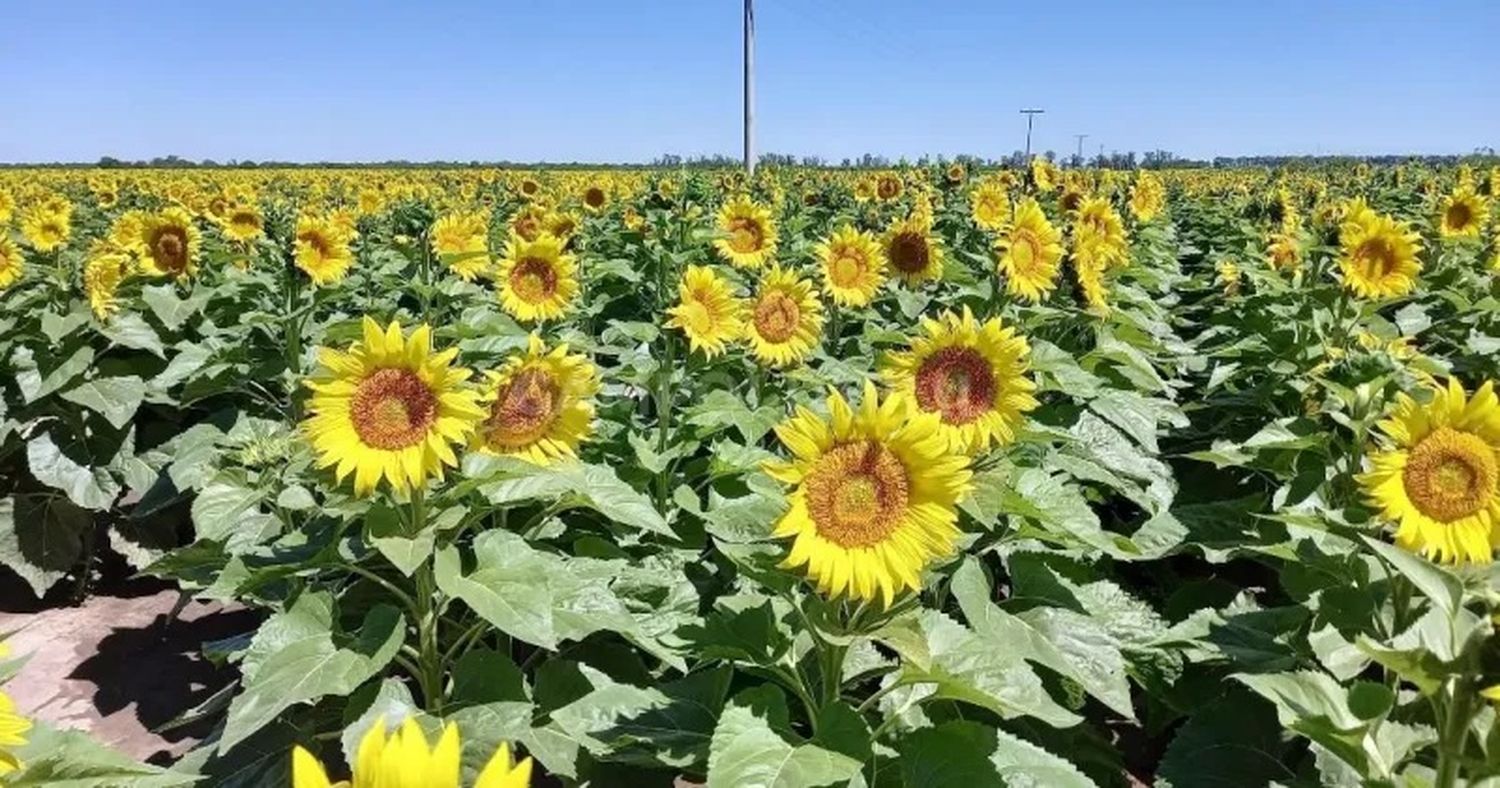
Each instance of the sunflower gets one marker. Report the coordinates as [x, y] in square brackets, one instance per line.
[1030, 251]
[874, 498]
[1098, 227]
[1438, 475]
[707, 311]
[322, 249]
[243, 222]
[853, 266]
[786, 319]
[1378, 256]
[461, 240]
[1462, 214]
[595, 197]
[914, 257]
[12, 726]
[1227, 275]
[990, 205]
[1284, 252]
[561, 224]
[11, 263]
[971, 374]
[1090, 262]
[45, 228]
[1147, 197]
[537, 279]
[888, 186]
[1043, 174]
[371, 201]
[750, 233]
[540, 405]
[956, 173]
[171, 243]
[106, 268]
[529, 222]
[864, 190]
[7, 207]
[406, 759]
[529, 187]
[390, 407]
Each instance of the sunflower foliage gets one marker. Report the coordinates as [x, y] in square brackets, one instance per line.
[905, 477]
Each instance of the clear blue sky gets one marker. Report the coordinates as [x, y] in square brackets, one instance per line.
[612, 80]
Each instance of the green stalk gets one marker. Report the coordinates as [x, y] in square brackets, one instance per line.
[1455, 731]
[429, 607]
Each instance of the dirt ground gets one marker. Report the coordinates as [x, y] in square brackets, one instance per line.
[114, 666]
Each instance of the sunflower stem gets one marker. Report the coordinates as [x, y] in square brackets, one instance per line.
[1455, 730]
[429, 607]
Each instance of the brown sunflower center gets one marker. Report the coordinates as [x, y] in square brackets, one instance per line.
[745, 235]
[533, 279]
[777, 316]
[848, 266]
[857, 494]
[393, 409]
[1450, 475]
[169, 248]
[1025, 250]
[888, 188]
[524, 409]
[956, 382]
[1459, 215]
[908, 252]
[317, 242]
[594, 197]
[529, 187]
[1376, 258]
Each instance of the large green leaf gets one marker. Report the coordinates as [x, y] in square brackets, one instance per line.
[568, 484]
[72, 759]
[41, 538]
[298, 660]
[116, 399]
[747, 753]
[964, 753]
[90, 488]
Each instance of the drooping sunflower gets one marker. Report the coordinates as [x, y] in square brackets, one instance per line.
[1462, 214]
[406, 759]
[537, 279]
[707, 311]
[461, 240]
[390, 408]
[540, 404]
[106, 268]
[990, 205]
[853, 266]
[875, 495]
[1437, 477]
[1030, 253]
[45, 228]
[12, 266]
[322, 249]
[1378, 256]
[750, 233]
[1147, 197]
[243, 222]
[785, 319]
[1284, 252]
[972, 375]
[1098, 226]
[1090, 256]
[1043, 174]
[911, 252]
[1227, 275]
[171, 242]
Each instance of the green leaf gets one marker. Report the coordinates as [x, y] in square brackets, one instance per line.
[747, 753]
[1073, 648]
[41, 538]
[964, 753]
[569, 484]
[228, 511]
[294, 658]
[116, 399]
[1234, 742]
[36, 383]
[90, 488]
[1438, 584]
[721, 408]
[53, 757]
[171, 310]
[406, 551]
[129, 330]
[1137, 415]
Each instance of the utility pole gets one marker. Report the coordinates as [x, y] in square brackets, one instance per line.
[1030, 113]
[749, 87]
[1080, 138]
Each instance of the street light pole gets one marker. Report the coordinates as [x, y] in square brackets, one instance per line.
[749, 87]
[1030, 113]
[1081, 138]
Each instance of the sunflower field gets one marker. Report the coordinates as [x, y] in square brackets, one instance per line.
[929, 476]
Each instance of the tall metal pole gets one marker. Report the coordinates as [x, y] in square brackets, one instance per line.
[1030, 113]
[749, 87]
[1081, 138]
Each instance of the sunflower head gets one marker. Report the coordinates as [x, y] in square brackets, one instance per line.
[537, 279]
[1437, 475]
[911, 253]
[11, 264]
[12, 726]
[1378, 256]
[972, 375]
[46, 228]
[853, 266]
[749, 233]
[389, 408]
[785, 319]
[1030, 253]
[106, 268]
[461, 240]
[1147, 197]
[874, 495]
[171, 242]
[540, 404]
[888, 186]
[1462, 214]
[322, 249]
[707, 311]
[989, 205]
[243, 222]
[405, 758]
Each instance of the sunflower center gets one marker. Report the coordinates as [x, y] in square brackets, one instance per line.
[956, 382]
[393, 409]
[524, 409]
[909, 252]
[698, 316]
[594, 197]
[169, 247]
[316, 242]
[1459, 215]
[846, 269]
[1024, 251]
[857, 494]
[888, 188]
[745, 235]
[1376, 258]
[1450, 475]
[777, 316]
[533, 279]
